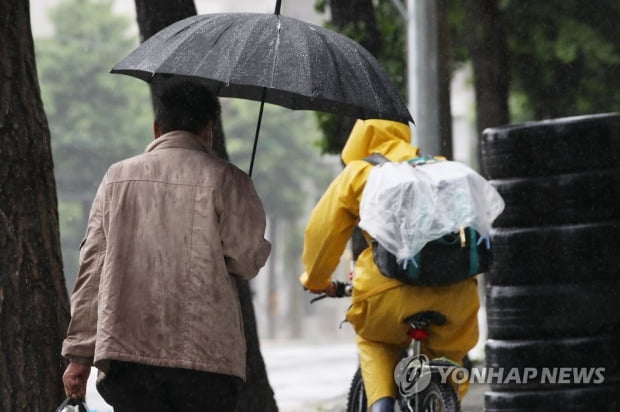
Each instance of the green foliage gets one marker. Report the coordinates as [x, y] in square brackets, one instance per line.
[329, 128]
[286, 161]
[319, 5]
[72, 217]
[564, 55]
[457, 17]
[95, 118]
[288, 173]
[393, 55]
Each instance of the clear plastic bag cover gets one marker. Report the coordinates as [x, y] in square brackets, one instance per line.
[404, 207]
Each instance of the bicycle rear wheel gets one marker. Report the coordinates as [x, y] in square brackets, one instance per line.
[437, 397]
[356, 400]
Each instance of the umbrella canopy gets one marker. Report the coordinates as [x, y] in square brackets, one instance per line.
[271, 58]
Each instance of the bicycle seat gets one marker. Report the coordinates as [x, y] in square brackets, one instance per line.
[425, 318]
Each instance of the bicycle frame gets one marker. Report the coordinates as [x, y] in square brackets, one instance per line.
[415, 371]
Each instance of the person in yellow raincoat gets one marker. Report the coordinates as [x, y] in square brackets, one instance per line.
[380, 304]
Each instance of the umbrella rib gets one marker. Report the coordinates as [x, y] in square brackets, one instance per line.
[195, 20]
[359, 57]
[331, 53]
[275, 54]
[213, 43]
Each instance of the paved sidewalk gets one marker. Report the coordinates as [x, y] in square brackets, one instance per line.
[473, 402]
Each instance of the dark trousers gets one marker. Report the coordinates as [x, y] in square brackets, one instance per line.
[131, 387]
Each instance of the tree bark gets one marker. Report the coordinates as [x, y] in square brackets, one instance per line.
[257, 394]
[360, 14]
[444, 68]
[34, 306]
[489, 53]
[154, 15]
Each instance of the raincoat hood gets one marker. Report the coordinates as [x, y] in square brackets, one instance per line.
[392, 139]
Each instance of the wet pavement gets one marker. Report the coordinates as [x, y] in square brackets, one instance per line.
[316, 378]
[473, 402]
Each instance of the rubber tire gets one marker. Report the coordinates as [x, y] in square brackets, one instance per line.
[552, 255]
[539, 312]
[356, 399]
[551, 147]
[584, 352]
[601, 398]
[436, 391]
[559, 200]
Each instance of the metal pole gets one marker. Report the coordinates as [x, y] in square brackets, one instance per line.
[423, 74]
[426, 78]
[412, 75]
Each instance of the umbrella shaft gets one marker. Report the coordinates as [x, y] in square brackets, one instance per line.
[260, 119]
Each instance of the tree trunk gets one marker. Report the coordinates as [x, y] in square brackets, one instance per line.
[444, 69]
[272, 281]
[257, 394]
[154, 15]
[360, 14]
[488, 49]
[34, 306]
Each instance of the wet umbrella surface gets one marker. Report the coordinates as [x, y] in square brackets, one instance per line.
[271, 58]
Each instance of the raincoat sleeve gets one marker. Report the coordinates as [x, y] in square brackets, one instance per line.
[82, 332]
[242, 225]
[331, 225]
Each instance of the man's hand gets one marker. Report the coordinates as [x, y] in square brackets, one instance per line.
[75, 378]
[329, 290]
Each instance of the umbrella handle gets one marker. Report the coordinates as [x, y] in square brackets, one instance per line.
[260, 119]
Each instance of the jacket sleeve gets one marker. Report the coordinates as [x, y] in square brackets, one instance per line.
[82, 331]
[242, 225]
[331, 225]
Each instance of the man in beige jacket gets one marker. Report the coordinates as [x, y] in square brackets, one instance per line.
[155, 306]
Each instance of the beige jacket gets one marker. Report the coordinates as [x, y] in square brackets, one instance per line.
[167, 232]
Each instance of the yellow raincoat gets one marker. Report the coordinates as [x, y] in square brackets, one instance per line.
[380, 304]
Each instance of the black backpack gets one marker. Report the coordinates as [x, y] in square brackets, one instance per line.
[443, 261]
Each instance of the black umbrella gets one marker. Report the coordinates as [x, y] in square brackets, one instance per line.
[271, 58]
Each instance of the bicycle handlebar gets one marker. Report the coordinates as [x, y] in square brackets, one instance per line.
[342, 289]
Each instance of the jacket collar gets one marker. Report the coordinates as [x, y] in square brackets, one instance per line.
[178, 139]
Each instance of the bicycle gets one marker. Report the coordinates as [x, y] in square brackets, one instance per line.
[422, 384]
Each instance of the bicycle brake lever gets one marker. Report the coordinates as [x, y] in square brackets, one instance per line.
[323, 296]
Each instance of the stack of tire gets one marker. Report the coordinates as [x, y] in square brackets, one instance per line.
[553, 293]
